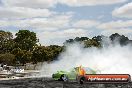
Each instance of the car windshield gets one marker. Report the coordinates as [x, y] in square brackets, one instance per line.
[71, 70]
[89, 70]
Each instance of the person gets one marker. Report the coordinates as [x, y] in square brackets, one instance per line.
[81, 71]
[4, 66]
[8, 69]
[1, 69]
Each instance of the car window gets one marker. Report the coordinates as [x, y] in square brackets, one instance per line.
[88, 70]
[72, 70]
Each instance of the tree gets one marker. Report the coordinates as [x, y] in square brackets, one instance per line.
[5, 35]
[39, 54]
[55, 50]
[98, 38]
[46, 53]
[91, 43]
[22, 56]
[25, 39]
[69, 41]
[6, 42]
[77, 39]
[119, 38]
[115, 37]
[7, 58]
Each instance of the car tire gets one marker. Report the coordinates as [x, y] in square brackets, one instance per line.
[64, 78]
[82, 80]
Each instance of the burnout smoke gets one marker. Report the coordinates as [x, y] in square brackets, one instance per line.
[112, 59]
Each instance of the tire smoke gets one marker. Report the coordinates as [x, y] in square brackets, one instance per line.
[110, 59]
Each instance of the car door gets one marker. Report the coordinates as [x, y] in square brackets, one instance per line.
[72, 74]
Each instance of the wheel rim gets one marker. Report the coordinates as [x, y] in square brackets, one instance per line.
[81, 81]
[64, 78]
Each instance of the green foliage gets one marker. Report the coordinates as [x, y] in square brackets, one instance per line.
[55, 50]
[6, 42]
[25, 39]
[94, 42]
[91, 43]
[97, 40]
[121, 39]
[7, 58]
[48, 53]
[24, 49]
[22, 56]
[77, 39]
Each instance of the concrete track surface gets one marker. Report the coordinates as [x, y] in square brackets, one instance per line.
[50, 83]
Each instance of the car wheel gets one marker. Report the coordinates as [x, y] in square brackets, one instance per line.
[82, 80]
[64, 78]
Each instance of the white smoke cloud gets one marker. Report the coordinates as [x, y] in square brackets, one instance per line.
[112, 59]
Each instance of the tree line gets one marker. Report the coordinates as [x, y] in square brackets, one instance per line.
[24, 48]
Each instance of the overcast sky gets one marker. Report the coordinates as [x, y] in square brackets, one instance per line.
[54, 21]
